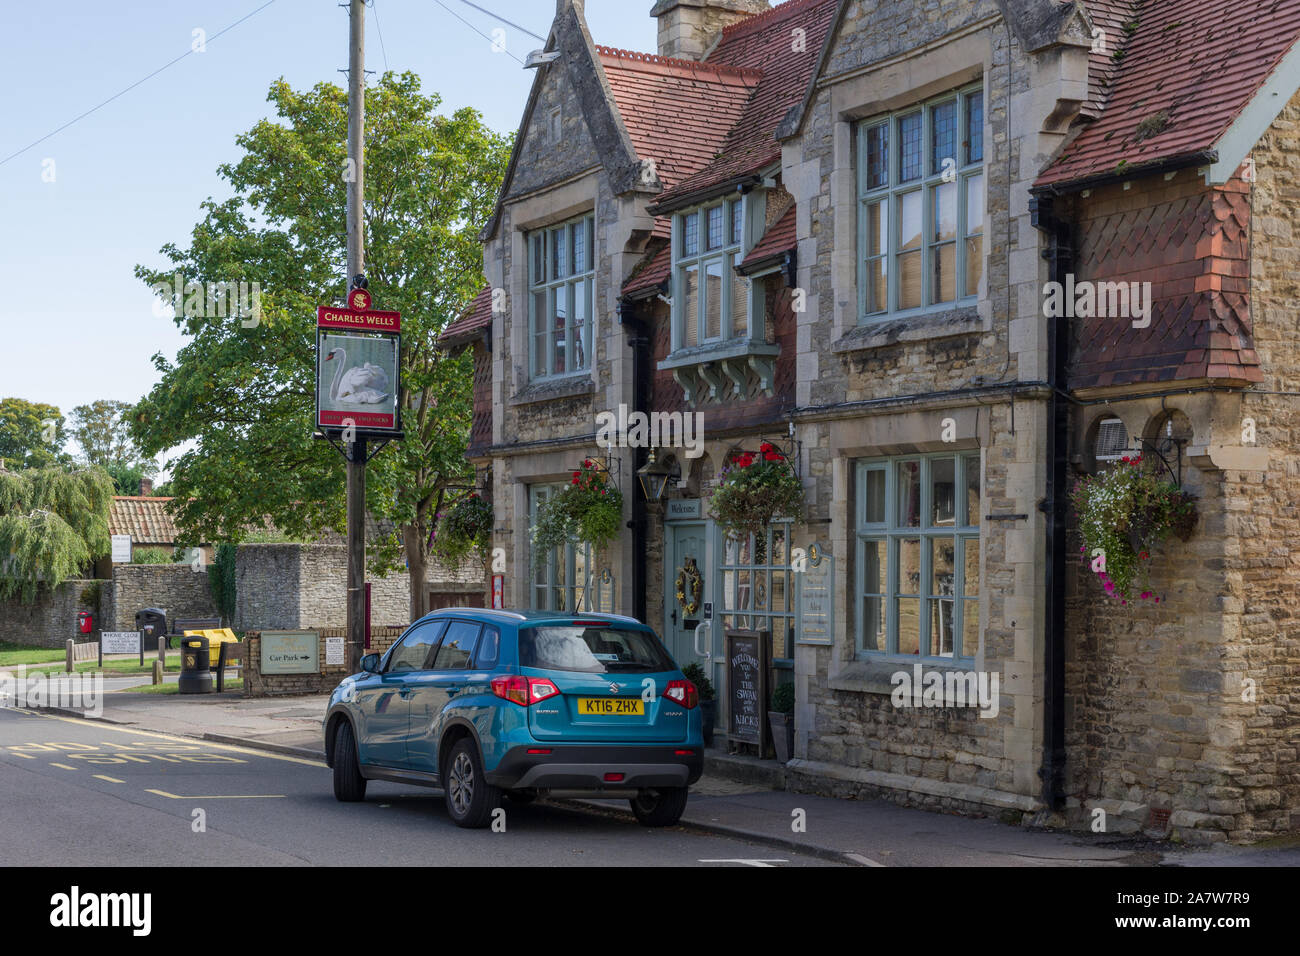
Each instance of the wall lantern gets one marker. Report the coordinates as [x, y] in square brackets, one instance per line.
[655, 476]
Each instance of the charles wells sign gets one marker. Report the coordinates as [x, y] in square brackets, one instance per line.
[358, 361]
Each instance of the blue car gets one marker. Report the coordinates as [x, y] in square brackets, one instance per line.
[485, 704]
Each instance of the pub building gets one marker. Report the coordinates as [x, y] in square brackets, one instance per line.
[829, 228]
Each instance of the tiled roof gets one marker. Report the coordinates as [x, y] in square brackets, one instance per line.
[1183, 76]
[475, 318]
[651, 272]
[1110, 16]
[677, 112]
[763, 42]
[146, 520]
[779, 239]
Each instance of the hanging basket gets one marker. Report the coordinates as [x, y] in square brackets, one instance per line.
[756, 487]
[589, 509]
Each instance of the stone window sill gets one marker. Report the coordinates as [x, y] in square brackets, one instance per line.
[873, 676]
[551, 389]
[876, 333]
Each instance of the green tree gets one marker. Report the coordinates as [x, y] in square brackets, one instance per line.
[103, 430]
[244, 389]
[53, 523]
[31, 434]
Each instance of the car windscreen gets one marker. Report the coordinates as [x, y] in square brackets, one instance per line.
[592, 650]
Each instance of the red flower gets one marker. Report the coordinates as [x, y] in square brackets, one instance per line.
[1144, 555]
[771, 456]
[765, 447]
[1125, 459]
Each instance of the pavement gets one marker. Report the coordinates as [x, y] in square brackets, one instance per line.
[734, 798]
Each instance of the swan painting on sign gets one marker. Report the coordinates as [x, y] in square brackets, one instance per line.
[357, 381]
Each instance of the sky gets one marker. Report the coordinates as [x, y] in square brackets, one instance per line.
[79, 210]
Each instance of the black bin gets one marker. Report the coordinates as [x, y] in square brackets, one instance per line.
[152, 624]
[196, 672]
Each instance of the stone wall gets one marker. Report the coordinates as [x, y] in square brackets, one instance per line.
[257, 684]
[51, 619]
[292, 586]
[178, 589]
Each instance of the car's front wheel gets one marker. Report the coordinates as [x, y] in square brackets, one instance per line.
[659, 808]
[470, 798]
[349, 785]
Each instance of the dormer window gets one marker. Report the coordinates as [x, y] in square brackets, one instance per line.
[710, 301]
[560, 289]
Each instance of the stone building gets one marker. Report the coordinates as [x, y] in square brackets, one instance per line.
[838, 227]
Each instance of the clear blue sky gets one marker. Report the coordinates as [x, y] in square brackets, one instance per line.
[77, 325]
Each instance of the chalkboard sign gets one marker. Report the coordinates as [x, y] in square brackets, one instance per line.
[748, 654]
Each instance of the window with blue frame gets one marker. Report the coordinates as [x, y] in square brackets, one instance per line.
[561, 282]
[921, 218]
[918, 556]
[710, 301]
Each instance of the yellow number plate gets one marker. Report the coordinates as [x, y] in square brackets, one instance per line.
[611, 706]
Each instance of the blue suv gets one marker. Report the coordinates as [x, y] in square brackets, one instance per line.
[485, 703]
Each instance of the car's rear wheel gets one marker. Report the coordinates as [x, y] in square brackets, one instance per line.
[349, 785]
[659, 808]
[470, 798]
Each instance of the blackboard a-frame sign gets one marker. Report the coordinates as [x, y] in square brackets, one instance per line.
[748, 658]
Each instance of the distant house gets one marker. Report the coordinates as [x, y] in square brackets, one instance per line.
[148, 520]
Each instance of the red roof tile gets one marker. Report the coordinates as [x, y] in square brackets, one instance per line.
[763, 42]
[779, 239]
[475, 318]
[650, 272]
[677, 112]
[146, 520]
[1183, 77]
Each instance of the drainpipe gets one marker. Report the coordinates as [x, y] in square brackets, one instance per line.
[639, 340]
[1060, 256]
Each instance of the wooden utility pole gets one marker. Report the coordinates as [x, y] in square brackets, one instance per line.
[356, 449]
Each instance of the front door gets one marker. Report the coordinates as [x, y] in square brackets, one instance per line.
[685, 565]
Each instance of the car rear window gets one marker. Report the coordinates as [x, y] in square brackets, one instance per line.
[592, 650]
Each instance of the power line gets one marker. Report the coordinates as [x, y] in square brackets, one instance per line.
[503, 20]
[100, 106]
[477, 30]
[374, 6]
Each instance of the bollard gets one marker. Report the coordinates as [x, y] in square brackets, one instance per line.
[162, 652]
[70, 643]
[157, 672]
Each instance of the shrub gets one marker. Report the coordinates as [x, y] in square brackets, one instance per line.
[464, 528]
[694, 673]
[783, 699]
[588, 509]
[754, 489]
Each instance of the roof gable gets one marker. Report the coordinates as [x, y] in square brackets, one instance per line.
[1189, 70]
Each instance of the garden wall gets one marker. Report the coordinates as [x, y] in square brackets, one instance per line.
[51, 619]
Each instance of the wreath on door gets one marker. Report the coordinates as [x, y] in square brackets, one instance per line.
[689, 580]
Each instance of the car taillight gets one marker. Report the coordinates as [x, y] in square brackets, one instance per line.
[523, 690]
[682, 691]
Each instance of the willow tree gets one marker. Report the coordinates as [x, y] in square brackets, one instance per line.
[53, 524]
[242, 388]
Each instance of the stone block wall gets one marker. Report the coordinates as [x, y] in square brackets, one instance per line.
[176, 588]
[51, 620]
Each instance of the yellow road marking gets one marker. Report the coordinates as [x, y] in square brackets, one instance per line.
[62, 766]
[17, 754]
[100, 776]
[221, 796]
[183, 740]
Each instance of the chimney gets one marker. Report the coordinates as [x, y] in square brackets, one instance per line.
[146, 487]
[688, 29]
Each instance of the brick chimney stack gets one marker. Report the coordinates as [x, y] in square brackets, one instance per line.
[146, 487]
[688, 29]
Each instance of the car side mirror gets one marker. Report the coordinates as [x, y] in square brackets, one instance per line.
[370, 663]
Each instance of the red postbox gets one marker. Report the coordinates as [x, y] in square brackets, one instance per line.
[85, 622]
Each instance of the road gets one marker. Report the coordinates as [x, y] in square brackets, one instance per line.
[83, 793]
